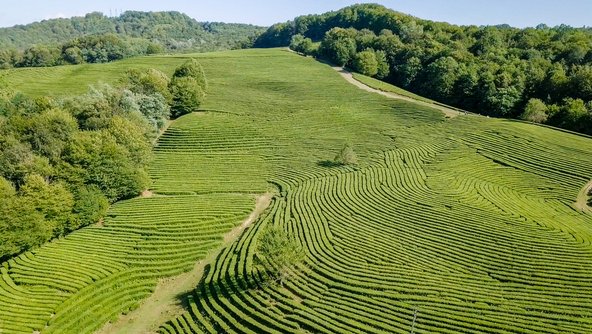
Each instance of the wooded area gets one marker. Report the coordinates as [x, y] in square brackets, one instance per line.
[62, 162]
[541, 74]
[96, 38]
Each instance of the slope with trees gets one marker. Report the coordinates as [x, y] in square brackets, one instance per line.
[97, 38]
[494, 70]
[62, 162]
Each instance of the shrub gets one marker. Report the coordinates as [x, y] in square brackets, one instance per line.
[187, 96]
[535, 111]
[365, 62]
[192, 69]
[148, 82]
[280, 251]
[346, 156]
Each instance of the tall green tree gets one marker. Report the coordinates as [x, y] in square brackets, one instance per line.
[535, 111]
[187, 87]
[192, 69]
[282, 254]
[187, 96]
[339, 45]
[366, 63]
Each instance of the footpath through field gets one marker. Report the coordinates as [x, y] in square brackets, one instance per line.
[165, 303]
[350, 78]
[582, 199]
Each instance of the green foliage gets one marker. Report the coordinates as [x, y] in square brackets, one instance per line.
[383, 67]
[52, 200]
[346, 156]
[535, 111]
[187, 96]
[95, 158]
[90, 206]
[98, 38]
[284, 253]
[156, 110]
[192, 69]
[339, 46]
[62, 162]
[49, 132]
[187, 88]
[279, 34]
[39, 56]
[22, 226]
[148, 82]
[365, 62]
[303, 45]
[492, 70]
[572, 114]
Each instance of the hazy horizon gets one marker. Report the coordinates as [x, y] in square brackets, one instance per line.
[527, 13]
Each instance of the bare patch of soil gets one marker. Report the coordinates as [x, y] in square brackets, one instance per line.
[147, 194]
[582, 199]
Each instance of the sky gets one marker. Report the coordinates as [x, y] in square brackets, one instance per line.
[518, 13]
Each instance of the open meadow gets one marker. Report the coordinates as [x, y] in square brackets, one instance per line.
[445, 225]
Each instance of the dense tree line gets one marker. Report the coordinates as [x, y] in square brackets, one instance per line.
[62, 162]
[97, 38]
[86, 49]
[541, 74]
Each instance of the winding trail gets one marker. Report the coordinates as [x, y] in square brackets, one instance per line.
[164, 303]
[582, 199]
[350, 78]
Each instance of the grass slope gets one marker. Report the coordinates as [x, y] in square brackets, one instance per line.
[470, 221]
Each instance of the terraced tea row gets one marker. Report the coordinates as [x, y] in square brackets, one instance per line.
[471, 245]
[193, 157]
[106, 270]
[466, 221]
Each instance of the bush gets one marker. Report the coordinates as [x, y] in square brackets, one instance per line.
[148, 82]
[346, 156]
[303, 45]
[535, 111]
[187, 88]
[365, 62]
[90, 206]
[187, 96]
[192, 69]
[280, 251]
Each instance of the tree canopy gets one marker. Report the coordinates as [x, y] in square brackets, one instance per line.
[188, 88]
[63, 161]
[492, 70]
[280, 252]
[96, 38]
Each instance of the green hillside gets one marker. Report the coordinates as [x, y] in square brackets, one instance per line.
[172, 30]
[469, 223]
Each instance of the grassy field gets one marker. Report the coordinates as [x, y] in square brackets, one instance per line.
[386, 87]
[469, 223]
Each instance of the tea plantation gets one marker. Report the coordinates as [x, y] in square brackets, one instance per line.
[461, 225]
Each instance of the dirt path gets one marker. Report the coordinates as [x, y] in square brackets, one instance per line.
[164, 303]
[582, 199]
[350, 78]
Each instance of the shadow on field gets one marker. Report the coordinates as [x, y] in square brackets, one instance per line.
[208, 290]
[329, 164]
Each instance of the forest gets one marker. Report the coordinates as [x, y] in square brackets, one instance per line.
[63, 161]
[541, 74]
[96, 38]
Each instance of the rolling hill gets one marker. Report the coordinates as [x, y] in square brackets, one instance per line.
[446, 225]
[173, 30]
